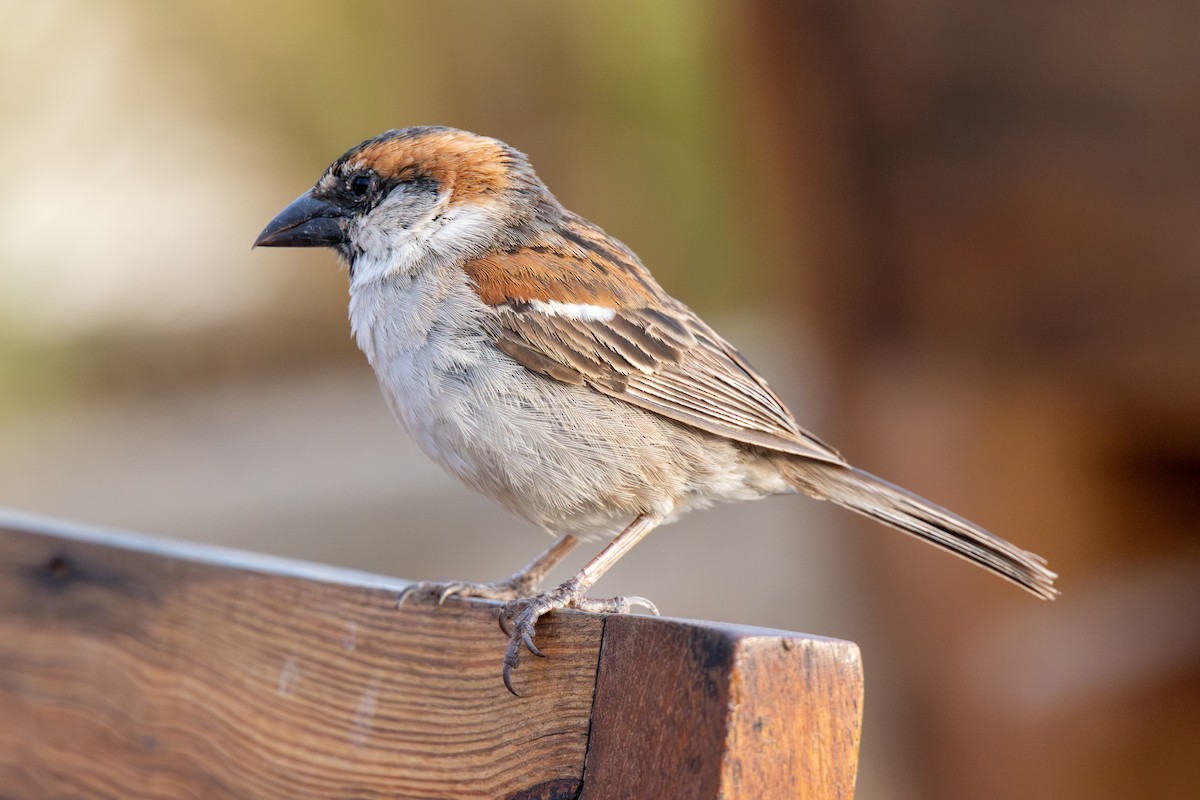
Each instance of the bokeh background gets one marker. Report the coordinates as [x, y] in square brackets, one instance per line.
[962, 240]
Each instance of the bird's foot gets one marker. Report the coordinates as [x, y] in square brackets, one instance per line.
[513, 588]
[518, 618]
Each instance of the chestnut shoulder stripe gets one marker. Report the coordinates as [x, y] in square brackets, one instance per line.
[566, 275]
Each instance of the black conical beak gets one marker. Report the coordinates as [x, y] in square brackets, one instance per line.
[307, 222]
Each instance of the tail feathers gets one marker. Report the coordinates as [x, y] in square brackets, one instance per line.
[876, 498]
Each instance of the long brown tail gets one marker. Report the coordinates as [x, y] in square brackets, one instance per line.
[876, 498]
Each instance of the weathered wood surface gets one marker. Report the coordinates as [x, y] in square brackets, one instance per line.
[139, 669]
[687, 709]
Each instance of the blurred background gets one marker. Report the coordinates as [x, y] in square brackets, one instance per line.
[961, 239]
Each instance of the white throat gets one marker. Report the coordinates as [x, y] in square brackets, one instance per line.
[388, 248]
[403, 276]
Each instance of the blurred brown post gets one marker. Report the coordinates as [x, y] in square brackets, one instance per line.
[996, 206]
[137, 668]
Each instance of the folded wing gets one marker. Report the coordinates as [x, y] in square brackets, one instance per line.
[630, 341]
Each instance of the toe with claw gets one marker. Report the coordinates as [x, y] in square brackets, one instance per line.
[518, 619]
[442, 591]
[613, 605]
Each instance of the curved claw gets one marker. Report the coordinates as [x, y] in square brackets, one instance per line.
[406, 593]
[505, 624]
[512, 660]
[527, 640]
[644, 603]
[507, 674]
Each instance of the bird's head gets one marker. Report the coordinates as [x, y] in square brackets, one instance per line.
[413, 197]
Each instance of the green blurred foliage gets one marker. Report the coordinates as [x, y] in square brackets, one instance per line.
[621, 105]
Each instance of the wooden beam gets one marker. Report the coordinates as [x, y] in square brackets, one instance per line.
[141, 669]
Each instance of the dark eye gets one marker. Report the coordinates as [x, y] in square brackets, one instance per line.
[360, 185]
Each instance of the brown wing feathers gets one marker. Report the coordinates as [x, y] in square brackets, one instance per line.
[652, 351]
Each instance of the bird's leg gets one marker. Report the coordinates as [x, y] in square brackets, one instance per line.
[519, 618]
[523, 583]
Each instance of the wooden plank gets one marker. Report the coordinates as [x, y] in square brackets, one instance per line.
[142, 669]
[688, 709]
[126, 674]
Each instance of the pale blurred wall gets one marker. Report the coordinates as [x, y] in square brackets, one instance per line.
[157, 375]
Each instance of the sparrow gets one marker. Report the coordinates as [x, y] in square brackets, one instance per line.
[536, 359]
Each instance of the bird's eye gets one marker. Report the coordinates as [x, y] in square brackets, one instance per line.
[360, 185]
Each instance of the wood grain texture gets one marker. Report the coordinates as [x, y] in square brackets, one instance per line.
[140, 669]
[134, 675]
[688, 709]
